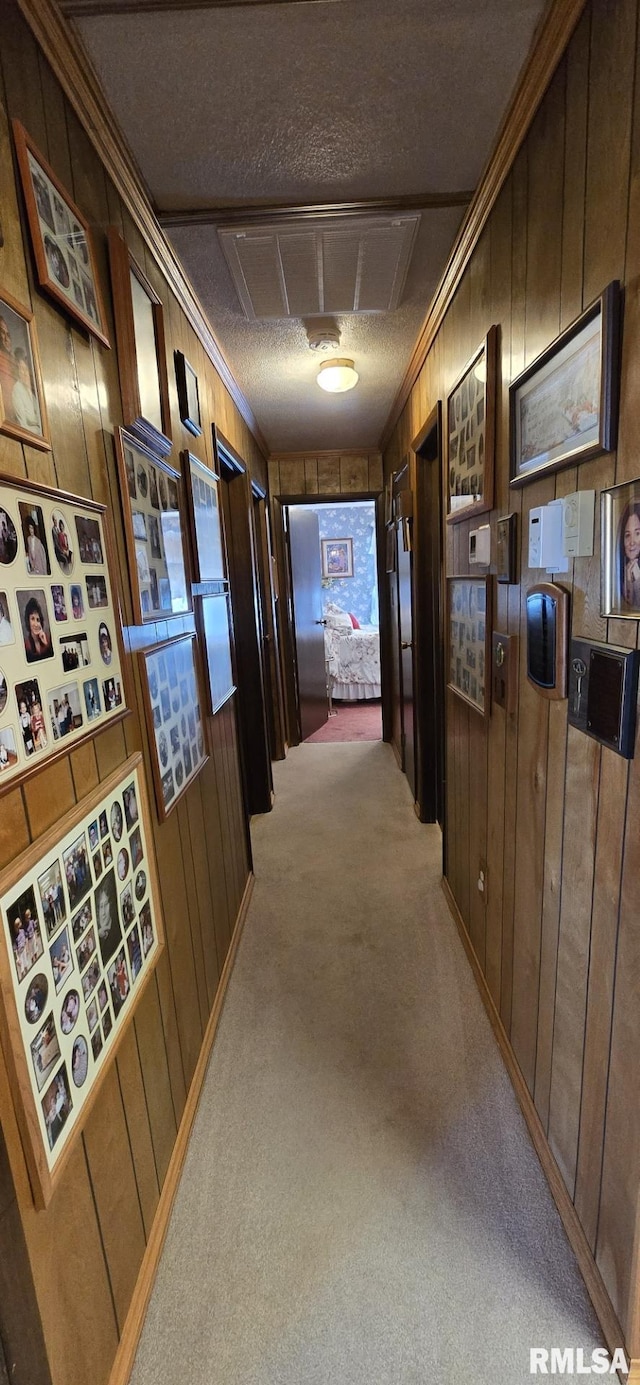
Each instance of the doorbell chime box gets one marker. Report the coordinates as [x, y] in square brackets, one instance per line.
[578, 514]
[480, 545]
[546, 547]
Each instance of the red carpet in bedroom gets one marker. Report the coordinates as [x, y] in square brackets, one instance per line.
[355, 721]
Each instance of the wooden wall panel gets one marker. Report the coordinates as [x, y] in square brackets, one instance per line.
[326, 474]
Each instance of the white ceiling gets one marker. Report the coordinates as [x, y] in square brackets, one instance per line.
[313, 103]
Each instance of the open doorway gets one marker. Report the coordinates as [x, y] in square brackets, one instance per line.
[335, 607]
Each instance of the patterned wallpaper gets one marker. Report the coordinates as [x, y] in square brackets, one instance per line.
[357, 594]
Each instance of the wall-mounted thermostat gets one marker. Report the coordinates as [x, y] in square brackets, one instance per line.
[603, 693]
[480, 545]
[546, 547]
[578, 511]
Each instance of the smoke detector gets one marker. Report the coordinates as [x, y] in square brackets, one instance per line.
[323, 338]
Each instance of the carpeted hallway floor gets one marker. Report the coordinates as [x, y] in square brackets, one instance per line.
[351, 721]
[360, 1204]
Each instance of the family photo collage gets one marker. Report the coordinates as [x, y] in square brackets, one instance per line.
[60, 665]
[81, 930]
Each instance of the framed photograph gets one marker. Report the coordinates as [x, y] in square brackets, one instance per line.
[153, 512]
[205, 520]
[171, 688]
[506, 548]
[471, 409]
[61, 654]
[142, 356]
[214, 625]
[23, 413]
[79, 942]
[469, 629]
[337, 557]
[61, 239]
[188, 396]
[564, 406]
[620, 551]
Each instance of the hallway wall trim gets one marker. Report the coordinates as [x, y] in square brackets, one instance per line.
[550, 44]
[128, 1345]
[609, 1323]
[72, 65]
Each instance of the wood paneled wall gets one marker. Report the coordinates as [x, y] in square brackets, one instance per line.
[555, 815]
[326, 473]
[86, 1250]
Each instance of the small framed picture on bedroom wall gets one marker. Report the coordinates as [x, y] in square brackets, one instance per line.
[337, 557]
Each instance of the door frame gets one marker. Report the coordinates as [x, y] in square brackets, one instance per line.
[285, 612]
[429, 625]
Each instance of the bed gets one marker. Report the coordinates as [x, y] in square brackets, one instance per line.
[353, 657]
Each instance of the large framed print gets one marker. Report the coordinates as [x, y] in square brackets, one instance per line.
[142, 356]
[23, 412]
[471, 410]
[61, 239]
[61, 653]
[214, 624]
[205, 520]
[171, 689]
[564, 406]
[153, 512]
[469, 631]
[82, 930]
[620, 551]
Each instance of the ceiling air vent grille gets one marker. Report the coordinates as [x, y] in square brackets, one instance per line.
[331, 266]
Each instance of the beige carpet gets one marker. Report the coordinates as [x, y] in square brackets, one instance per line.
[360, 1204]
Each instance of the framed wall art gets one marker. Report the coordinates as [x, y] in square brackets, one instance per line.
[337, 557]
[620, 551]
[23, 413]
[471, 408]
[61, 653]
[142, 357]
[171, 689]
[151, 493]
[205, 520]
[469, 627]
[214, 624]
[81, 929]
[61, 239]
[564, 406]
[188, 394]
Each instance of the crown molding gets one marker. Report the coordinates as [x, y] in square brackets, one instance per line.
[87, 9]
[549, 45]
[257, 213]
[64, 50]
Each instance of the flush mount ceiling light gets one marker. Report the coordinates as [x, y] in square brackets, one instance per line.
[337, 376]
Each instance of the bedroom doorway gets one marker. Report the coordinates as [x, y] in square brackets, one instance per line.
[333, 566]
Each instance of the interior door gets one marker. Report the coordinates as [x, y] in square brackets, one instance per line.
[308, 624]
[406, 658]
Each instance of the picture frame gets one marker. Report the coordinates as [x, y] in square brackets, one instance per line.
[470, 430]
[337, 557]
[81, 931]
[23, 410]
[154, 521]
[469, 641]
[171, 681]
[215, 626]
[507, 548]
[564, 406]
[62, 666]
[61, 239]
[620, 551]
[188, 394]
[205, 520]
[142, 356]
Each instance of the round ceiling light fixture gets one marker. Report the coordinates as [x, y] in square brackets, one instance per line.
[337, 376]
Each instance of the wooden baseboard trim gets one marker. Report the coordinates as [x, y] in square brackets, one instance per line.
[596, 1290]
[128, 1345]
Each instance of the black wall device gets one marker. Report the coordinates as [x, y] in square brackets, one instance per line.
[603, 693]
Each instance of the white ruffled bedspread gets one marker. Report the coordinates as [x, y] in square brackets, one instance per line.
[353, 657]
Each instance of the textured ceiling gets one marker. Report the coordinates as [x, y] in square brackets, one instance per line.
[313, 103]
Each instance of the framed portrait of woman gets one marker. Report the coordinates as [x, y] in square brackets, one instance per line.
[61, 238]
[23, 413]
[620, 551]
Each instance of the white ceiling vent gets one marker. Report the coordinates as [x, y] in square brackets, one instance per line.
[330, 266]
